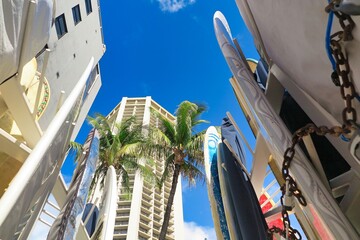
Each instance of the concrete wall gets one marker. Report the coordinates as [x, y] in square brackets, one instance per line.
[72, 52]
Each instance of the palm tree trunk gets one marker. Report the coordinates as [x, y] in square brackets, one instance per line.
[165, 224]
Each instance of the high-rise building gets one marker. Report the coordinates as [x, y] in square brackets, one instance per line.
[141, 216]
[49, 77]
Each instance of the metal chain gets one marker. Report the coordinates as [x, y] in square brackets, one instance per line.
[347, 91]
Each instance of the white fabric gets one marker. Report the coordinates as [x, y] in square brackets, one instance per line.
[13, 18]
[293, 33]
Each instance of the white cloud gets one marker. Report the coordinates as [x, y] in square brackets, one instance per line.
[196, 232]
[174, 5]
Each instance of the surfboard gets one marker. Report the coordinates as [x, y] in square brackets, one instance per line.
[322, 210]
[226, 197]
[212, 139]
[246, 208]
[105, 226]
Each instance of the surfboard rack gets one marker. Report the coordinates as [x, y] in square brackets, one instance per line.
[325, 219]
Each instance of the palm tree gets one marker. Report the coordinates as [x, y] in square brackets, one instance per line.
[120, 147]
[182, 149]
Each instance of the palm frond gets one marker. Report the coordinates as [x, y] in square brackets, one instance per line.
[201, 108]
[166, 126]
[192, 173]
[77, 149]
[194, 149]
[184, 122]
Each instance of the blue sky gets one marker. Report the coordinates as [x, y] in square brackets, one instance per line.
[168, 50]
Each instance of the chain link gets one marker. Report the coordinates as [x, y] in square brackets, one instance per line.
[347, 90]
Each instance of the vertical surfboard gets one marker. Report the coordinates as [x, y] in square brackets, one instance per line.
[226, 196]
[211, 142]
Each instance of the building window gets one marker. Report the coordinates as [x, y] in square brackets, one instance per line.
[88, 6]
[60, 25]
[76, 14]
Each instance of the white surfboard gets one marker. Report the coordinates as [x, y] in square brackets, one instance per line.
[212, 139]
[105, 226]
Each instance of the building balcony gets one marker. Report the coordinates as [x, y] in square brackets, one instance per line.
[159, 171]
[147, 204]
[158, 214]
[158, 200]
[145, 209]
[147, 197]
[170, 229]
[120, 231]
[122, 216]
[147, 191]
[145, 224]
[123, 208]
[171, 237]
[145, 216]
[157, 221]
[121, 224]
[144, 232]
[124, 203]
[156, 229]
[168, 184]
[158, 208]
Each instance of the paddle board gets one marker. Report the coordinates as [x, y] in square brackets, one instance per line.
[247, 212]
[321, 210]
[234, 229]
[105, 226]
[212, 139]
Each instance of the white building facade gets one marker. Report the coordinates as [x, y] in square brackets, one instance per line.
[141, 216]
[44, 100]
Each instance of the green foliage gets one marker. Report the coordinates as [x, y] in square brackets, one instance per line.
[122, 145]
[181, 135]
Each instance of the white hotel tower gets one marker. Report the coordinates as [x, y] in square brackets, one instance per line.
[141, 217]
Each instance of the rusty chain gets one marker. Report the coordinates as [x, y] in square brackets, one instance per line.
[347, 90]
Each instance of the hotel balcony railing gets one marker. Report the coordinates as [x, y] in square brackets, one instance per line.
[147, 189]
[167, 184]
[146, 210]
[156, 230]
[157, 221]
[147, 204]
[157, 227]
[143, 230]
[121, 223]
[119, 215]
[145, 216]
[169, 237]
[157, 213]
[147, 197]
[145, 227]
[124, 206]
[120, 231]
[157, 208]
[158, 200]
